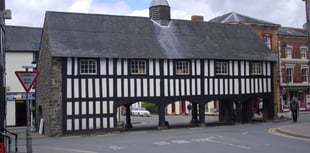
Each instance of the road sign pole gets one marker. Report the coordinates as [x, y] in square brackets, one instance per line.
[28, 130]
[27, 79]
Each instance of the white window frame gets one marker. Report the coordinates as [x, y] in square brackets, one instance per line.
[182, 67]
[138, 67]
[304, 75]
[289, 74]
[288, 52]
[221, 68]
[88, 66]
[267, 40]
[303, 52]
[256, 68]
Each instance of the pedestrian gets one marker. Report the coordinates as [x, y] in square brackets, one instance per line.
[294, 107]
[260, 105]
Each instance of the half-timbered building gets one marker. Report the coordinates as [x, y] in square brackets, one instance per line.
[91, 64]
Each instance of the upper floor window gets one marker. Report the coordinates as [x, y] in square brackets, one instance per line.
[267, 40]
[289, 75]
[288, 52]
[182, 67]
[256, 68]
[138, 67]
[88, 66]
[303, 53]
[221, 68]
[304, 74]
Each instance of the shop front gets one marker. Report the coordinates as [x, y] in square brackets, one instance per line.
[301, 93]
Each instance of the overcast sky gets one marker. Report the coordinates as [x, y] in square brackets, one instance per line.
[288, 13]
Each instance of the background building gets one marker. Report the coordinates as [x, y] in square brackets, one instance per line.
[22, 46]
[294, 67]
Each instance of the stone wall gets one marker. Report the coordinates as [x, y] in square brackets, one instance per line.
[49, 90]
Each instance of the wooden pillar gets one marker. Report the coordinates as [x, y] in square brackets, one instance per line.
[128, 119]
[194, 114]
[161, 117]
[202, 117]
[221, 110]
[238, 112]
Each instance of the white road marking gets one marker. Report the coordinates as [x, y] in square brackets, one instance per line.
[117, 148]
[180, 141]
[161, 143]
[230, 144]
[202, 139]
[245, 133]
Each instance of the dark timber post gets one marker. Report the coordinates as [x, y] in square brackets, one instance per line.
[128, 119]
[202, 117]
[161, 114]
[194, 114]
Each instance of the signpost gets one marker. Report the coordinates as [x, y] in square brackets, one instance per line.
[27, 79]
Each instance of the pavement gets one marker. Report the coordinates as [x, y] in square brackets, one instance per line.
[295, 130]
[298, 130]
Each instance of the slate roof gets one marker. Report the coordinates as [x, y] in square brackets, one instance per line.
[22, 38]
[292, 32]
[234, 17]
[108, 36]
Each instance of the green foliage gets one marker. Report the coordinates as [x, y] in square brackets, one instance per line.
[151, 107]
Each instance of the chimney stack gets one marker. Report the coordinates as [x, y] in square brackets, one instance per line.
[197, 18]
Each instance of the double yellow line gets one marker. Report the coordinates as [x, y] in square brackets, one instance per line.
[275, 131]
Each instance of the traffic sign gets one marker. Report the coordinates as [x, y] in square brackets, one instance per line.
[27, 78]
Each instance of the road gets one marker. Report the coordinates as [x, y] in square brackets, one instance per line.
[252, 137]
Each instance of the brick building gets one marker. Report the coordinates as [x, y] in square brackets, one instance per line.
[294, 67]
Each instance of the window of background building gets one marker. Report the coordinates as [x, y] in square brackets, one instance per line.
[88, 66]
[288, 52]
[138, 67]
[256, 68]
[182, 67]
[289, 75]
[221, 68]
[303, 53]
[304, 74]
[267, 40]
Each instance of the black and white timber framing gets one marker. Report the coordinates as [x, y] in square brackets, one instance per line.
[92, 64]
[90, 101]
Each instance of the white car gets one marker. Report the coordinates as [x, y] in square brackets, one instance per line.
[140, 112]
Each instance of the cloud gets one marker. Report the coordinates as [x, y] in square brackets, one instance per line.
[284, 12]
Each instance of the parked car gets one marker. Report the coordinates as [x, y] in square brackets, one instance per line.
[140, 111]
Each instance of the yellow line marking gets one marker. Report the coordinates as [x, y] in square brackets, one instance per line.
[274, 132]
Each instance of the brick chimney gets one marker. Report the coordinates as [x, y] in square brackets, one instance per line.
[197, 18]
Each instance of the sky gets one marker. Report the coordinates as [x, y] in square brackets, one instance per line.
[288, 13]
